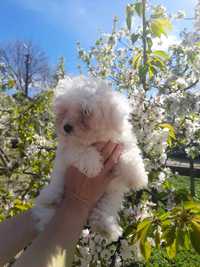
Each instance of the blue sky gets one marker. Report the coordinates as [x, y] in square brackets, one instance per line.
[56, 25]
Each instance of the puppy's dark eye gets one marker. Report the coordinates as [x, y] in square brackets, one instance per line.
[68, 128]
[86, 112]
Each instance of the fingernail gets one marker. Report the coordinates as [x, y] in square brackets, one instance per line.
[116, 161]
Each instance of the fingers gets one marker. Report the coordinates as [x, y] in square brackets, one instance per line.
[107, 150]
[112, 159]
[99, 146]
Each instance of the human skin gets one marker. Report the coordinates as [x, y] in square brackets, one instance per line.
[62, 233]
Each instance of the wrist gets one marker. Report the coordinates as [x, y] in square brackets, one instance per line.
[75, 204]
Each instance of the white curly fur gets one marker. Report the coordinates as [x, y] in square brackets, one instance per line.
[96, 113]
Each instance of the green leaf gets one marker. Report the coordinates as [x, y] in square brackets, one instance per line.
[192, 205]
[137, 60]
[134, 37]
[172, 135]
[169, 234]
[171, 250]
[195, 236]
[142, 71]
[157, 62]
[149, 43]
[160, 26]
[143, 223]
[187, 240]
[139, 8]
[129, 15]
[162, 54]
[164, 217]
[21, 207]
[157, 238]
[130, 230]
[151, 71]
[180, 237]
[11, 84]
[143, 229]
[146, 249]
[98, 42]
[196, 218]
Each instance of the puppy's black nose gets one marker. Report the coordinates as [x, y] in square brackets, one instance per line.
[68, 128]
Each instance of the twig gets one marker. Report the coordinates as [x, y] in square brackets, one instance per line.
[117, 250]
[4, 157]
[182, 89]
[144, 41]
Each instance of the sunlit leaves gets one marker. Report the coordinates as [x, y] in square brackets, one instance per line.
[161, 54]
[137, 60]
[171, 250]
[132, 9]
[171, 135]
[19, 206]
[142, 233]
[129, 15]
[134, 37]
[179, 228]
[138, 8]
[156, 62]
[194, 206]
[27, 139]
[6, 84]
[160, 26]
[146, 249]
[143, 228]
[195, 235]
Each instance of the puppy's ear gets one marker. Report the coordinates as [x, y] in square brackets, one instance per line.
[61, 95]
[119, 111]
[86, 115]
[60, 111]
[59, 106]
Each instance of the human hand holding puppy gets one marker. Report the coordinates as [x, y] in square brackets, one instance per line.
[88, 190]
[80, 196]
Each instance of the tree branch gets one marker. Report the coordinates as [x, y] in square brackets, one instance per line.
[4, 157]
[144, 41]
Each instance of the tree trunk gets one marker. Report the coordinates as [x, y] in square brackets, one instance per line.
[27, 62]
[192, 178]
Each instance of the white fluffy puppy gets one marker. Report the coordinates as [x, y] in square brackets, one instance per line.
[87, 111]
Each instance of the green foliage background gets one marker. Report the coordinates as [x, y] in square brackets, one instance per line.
[27, 149]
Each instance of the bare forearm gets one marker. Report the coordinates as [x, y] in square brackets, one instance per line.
[64, 230]
[60, 235]
[15, 234]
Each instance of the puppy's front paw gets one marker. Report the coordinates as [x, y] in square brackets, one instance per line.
[105, 225]
[91, 162]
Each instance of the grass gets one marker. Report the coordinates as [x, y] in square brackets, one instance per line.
[182, 183]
